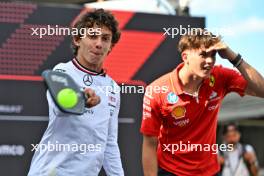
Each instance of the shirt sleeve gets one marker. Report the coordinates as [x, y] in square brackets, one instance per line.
[234, 81]
[112, 161]
[151, 120]
[250, 149]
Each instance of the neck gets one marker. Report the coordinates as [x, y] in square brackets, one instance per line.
[189, 81]
[93, 67]
[235, 145]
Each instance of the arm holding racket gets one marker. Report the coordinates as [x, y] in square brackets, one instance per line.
[67, 95]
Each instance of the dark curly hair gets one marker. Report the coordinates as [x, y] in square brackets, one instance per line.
[98, 17]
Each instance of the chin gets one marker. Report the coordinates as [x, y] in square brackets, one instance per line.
[94, 60]
[204, 76]
[207, 75]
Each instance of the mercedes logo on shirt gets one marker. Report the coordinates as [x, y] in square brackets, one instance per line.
[87, 80]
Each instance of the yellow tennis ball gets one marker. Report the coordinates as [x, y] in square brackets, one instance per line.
[67, 98]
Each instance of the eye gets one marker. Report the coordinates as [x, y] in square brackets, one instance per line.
[106, 38]
[214, 53]
[92, 36]
[203, 54]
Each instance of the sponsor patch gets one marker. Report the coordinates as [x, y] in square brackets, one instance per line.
[112, 99]
[148, 95]
[172, 98]
[145, 107]
[213, 95]
[146, 101]
[112, 112]
[60, 70]
[182, 123]
[146, 115]
[212, 81]
[87, 80]
[211, 108]
[109, 104]
[178, 112]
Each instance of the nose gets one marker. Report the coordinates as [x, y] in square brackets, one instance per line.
[210, 60]
[98, 43]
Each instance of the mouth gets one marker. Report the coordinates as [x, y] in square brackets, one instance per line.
[207, 68]
[96, 53]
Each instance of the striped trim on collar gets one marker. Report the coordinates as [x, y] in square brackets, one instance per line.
[77, 64]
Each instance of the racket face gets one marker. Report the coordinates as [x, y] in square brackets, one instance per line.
[66, 94]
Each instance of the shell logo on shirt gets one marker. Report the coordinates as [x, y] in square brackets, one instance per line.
[172, 98]
[178, 112]
[212, 81]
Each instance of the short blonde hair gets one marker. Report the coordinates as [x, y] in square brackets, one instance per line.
[196, 39]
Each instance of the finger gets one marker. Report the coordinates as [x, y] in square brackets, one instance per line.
[89, 102]
[89, 92]
[210, 49]
[217, 46]
[93, 101]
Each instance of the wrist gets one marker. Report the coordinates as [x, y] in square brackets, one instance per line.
[232, 56]
[237, 60]
[252, 163]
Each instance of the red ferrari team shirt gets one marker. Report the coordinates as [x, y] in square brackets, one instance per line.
[185, 124]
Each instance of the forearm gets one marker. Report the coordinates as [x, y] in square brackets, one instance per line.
[112, 161]
[149, 158]
[254, 170]
[255, 80]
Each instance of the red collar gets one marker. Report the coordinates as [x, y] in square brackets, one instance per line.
[175, 80]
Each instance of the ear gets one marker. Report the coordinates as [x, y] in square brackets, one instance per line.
[184, 56]
[239, 135]
[76, 41]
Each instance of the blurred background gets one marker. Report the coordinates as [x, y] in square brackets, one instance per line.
[142, 55]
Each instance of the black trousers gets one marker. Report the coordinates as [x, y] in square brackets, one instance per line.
[163, 172]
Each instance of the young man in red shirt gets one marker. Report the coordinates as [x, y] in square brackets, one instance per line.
[179, 124]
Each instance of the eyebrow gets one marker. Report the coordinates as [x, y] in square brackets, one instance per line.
[203, 52]
[106, 34]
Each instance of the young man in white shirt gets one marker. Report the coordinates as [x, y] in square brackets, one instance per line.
[83, 144]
